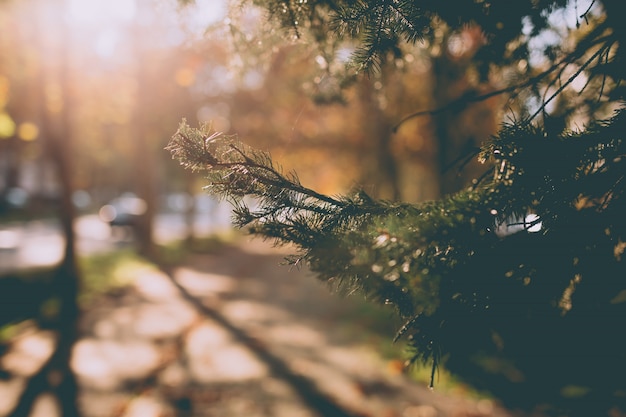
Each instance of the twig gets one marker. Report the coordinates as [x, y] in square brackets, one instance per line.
[511, 89]
[286, 185]
[569, 81]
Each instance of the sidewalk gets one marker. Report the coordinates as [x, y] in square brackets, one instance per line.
[236, 334]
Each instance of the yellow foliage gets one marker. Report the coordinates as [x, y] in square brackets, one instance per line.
[28, 131]
[7, 126]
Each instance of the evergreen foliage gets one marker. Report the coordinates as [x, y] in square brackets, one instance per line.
[516, 283]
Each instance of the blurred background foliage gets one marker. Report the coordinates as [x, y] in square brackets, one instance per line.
[118, 84]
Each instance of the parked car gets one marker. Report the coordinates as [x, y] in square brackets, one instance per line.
[123, 210]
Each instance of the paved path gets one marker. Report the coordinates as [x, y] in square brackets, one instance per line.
[234, 334]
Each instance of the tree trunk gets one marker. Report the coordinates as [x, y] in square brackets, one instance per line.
[144, 157]
[462, 127]
[380, 168]
[56, 376]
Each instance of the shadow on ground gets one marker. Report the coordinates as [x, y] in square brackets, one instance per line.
[228, 334]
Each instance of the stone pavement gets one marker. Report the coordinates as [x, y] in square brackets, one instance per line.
[231, 334]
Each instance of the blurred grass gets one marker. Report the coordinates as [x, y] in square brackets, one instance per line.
[175, 252]
[107, 272]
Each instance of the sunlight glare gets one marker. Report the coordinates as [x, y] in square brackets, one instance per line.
[145, 407]
[105, 364]
[46, 405]
[163, 321]
[204, 13]
[28, 353]
[98, 11]
[203, 283]
[46, 250]
[107, 42]
[9, 392]
[214, 356]
[154, 286]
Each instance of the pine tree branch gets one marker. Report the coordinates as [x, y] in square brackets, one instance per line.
[428, 260]
[280, 180]
[240, 169]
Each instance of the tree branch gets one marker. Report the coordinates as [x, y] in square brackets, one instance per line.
[466, 99]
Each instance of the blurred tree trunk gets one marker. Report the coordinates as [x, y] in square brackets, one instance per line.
[60, 145]
[453, 142]
[56, 375]
[144, 179]
[144, 158]
[380, 168]
[67, 276]
[462, 127]
[190, 209]
[10, 160]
